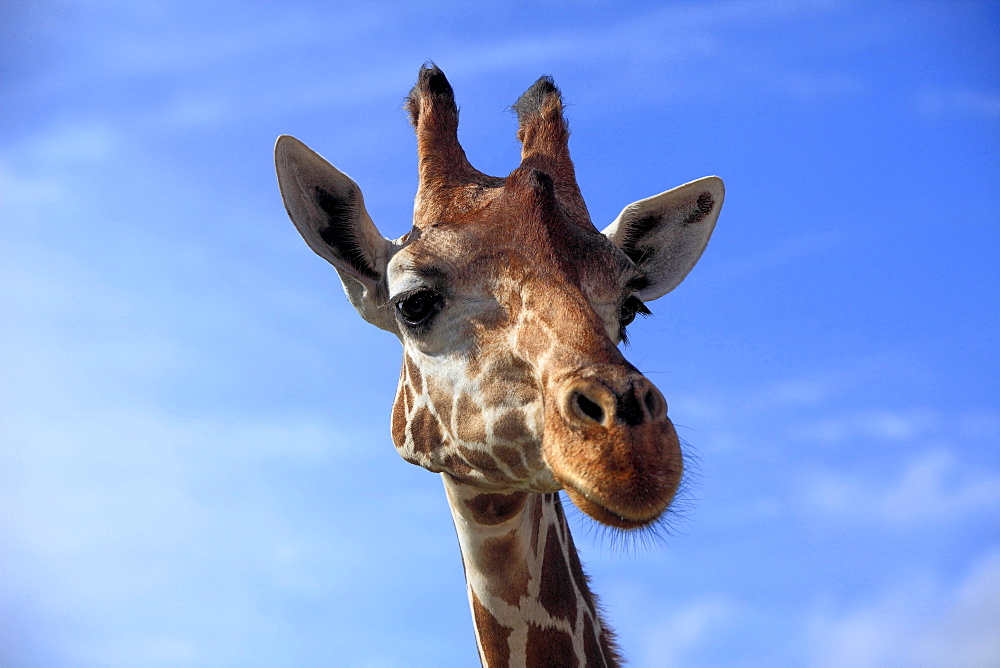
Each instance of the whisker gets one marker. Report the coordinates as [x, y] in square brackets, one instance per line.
[673, 523]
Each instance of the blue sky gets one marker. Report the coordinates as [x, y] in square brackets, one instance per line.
[196, 467]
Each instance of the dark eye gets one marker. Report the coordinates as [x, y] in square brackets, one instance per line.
[632, 306]
[418, 308]
[627, 314]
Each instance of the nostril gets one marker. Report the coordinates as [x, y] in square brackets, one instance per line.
[654, 403]
[589, 408]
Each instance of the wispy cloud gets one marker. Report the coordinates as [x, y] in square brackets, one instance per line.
[880, 425]
[921, 622]
[932, 486]
[18, 191]
[939, 103]
[212, 79]
[670, 641]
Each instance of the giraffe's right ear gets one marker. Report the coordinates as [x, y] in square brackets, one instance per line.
[328, 210]
[666, 234]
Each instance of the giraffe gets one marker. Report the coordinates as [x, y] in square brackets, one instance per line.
[510, 306]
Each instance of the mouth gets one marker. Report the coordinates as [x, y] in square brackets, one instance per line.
[621, 518]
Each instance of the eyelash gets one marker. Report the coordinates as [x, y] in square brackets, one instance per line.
[631, 306]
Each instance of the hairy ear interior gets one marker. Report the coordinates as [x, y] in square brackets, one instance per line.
[328, 210]
[666, 234]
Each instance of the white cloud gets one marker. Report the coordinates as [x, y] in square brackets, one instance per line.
[113, 498]
[966, 632]
[19, 191]
[932, 487]
[669, 642]
[74, 143]
[928, 489]
[918, 623]
[876, 425]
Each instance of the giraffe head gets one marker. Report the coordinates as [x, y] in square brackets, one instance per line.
[510, 306]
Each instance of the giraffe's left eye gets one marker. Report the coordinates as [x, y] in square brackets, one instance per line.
[418, 308]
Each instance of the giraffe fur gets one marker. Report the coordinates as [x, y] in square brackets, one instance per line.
[510, 306]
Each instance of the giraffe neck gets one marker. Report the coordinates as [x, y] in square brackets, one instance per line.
[531, 603]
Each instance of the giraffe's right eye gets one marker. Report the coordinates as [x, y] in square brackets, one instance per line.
[418, 308]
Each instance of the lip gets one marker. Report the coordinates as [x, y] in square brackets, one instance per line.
[607, 516]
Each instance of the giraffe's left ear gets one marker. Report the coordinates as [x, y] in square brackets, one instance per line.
[328, 210]
[667, 233]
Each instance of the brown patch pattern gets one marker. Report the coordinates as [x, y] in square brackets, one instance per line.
[492, 635]
[413, 372]
[591, 647]
[470, 425]
[398, 425]
[557, 594]
[536, 519]
[503, 560]
[440, 399]
[579, 576]
[425, 430]
[512, 427]
[550, 648]
[493, 509]
[456, 465]
[512, 458]
[484, 463]
[509, 381]
[533, 455]
[561, 520]
[605, 637]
